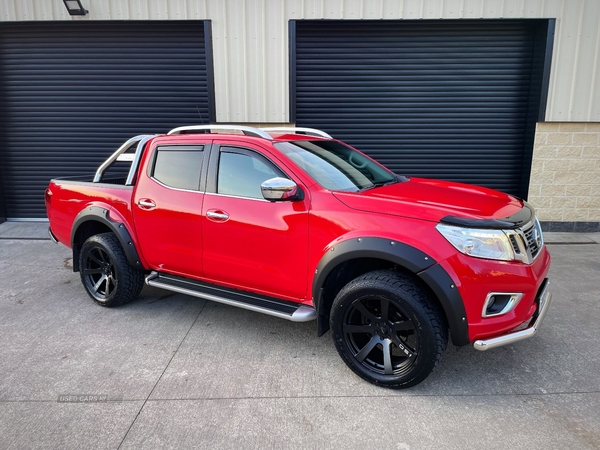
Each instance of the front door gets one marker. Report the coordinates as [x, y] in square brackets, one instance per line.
[249, 242]
[167, 209]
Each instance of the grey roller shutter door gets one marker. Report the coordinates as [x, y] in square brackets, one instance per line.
[456, 100]
[72, 92]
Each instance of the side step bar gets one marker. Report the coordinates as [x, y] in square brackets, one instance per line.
[233, 297]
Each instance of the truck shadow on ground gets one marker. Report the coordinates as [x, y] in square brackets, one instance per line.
[224, 338]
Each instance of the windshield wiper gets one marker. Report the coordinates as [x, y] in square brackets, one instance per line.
[397, 179]
[378, 184]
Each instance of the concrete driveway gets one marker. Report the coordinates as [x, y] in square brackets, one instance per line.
[171, 371]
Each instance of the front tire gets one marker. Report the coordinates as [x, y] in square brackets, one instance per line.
[105, 273]
[387, 330]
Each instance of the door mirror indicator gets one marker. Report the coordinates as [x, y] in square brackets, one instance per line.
[280, 189]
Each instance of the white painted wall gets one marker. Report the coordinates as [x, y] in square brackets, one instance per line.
[250, 42]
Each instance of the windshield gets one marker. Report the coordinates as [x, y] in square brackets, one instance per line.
[335, 166]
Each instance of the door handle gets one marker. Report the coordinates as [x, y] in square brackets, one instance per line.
[146, 203]
[217, 216]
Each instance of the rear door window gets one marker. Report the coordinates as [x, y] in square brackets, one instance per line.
[178, 166]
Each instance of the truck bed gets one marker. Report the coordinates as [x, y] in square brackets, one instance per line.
[118, 179]
[65, 198]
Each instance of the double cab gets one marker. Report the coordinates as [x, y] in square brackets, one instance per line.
[293, 223]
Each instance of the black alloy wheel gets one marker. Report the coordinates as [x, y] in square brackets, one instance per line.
[387, 330]
[380, 335]
[105, 273]
[99, 273]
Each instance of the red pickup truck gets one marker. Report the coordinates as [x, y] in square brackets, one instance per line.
[292, 223]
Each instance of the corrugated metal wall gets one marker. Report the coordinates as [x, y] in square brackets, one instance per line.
[71, 93]
[251, 44]
[439, 99]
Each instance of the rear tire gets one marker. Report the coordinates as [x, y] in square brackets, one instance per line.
[387, 330]
[105, 273]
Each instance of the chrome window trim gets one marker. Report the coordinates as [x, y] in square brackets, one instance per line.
[175, 188]
[238, 196]
[510, 305]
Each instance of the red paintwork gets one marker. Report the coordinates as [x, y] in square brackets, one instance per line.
[274, 248]
[263, 246]
[476, 277]
[432, 200]
[69, 198]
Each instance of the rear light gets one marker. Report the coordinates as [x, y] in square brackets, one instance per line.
[48, 199]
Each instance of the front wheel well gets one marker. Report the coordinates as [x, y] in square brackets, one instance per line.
[347, 271]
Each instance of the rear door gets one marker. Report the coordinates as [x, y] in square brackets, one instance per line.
[249, 242]
[167, 209]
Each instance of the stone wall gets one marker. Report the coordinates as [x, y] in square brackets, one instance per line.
[565, 176]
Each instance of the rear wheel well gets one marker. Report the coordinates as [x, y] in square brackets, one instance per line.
[347, 271]
[83, 233]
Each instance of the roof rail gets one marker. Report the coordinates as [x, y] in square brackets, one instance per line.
[299, 130]
[120, 155]
[250, 131]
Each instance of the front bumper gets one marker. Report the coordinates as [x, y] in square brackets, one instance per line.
[543, 302]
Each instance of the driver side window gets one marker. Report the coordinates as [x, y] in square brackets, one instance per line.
[241, 174]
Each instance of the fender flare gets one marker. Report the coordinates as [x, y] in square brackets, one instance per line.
[100, 214]
[410, 258]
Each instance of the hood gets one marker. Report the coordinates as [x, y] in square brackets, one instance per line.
[433, 200]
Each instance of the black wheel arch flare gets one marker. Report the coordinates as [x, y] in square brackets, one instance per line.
[410, 258]
[100, 214]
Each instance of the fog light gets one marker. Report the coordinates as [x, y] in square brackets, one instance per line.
[499, 303]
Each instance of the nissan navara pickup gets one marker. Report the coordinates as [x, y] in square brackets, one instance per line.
[293, 223]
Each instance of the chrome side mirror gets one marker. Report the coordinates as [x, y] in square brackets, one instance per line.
[280, 189]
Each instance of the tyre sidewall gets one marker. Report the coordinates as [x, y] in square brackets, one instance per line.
[411, 307]
[105, 242]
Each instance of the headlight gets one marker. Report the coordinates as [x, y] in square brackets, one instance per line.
[489, 244]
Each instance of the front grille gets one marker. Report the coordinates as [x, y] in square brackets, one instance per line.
[527, 242]
[513, 240]
[533, 238]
